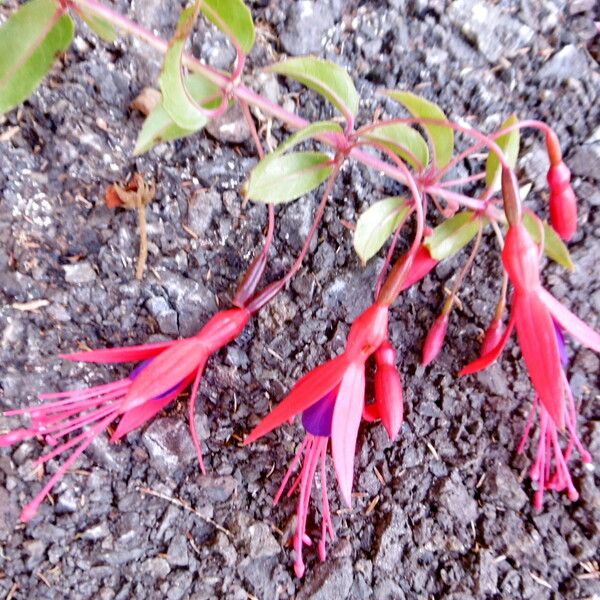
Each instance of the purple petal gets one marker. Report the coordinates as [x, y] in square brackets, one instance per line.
[317, 418]
[562, 348]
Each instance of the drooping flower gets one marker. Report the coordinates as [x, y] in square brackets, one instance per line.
[331, 400]
[550, 470]
[533, 313]
[167, 369]
[435, 339]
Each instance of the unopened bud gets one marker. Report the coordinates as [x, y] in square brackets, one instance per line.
[563, 203]
[511, 196]
[388, 390]
[492, 337]
[553, 148]
[422, 264]
[435, 339]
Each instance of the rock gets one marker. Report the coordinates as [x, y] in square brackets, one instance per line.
[201, 207]
[454, 497]
[305, 26]
[156, 567]
[487, 580]
[495, 34]
[165, 316]
[389, 548]
[501, 485]
[568, 63]
[177, 554]
[170, 446]
[231, 127]
[331, 580]
[586, 160]
[261, 541]
[81, 272]
[217, 489]
[97, 532]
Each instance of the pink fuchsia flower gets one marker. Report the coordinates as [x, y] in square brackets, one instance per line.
[563, 202]
[550, 470]
[533, 313]
[331, 400]
[167, 369]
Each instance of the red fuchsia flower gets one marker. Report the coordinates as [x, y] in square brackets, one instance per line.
[492, 336]
[550, 469]
[167, 369]
[331, 400]
[533, 313]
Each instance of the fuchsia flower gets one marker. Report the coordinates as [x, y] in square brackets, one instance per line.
[331, 400]
[534, 314]
[167, 369]
[550, 469]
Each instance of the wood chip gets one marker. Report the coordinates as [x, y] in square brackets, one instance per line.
[146, 101]
[31, 305]
[5, 136]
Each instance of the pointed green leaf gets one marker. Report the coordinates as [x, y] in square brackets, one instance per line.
[509, 144]
[30, 41]
[324, 77]
[442, 138]
[281, 178]
[103, 28]
[402, 140]
[452, 235]
[311, 131]
[376, 225]
[234, 19]
[554, 247]
[159, 127]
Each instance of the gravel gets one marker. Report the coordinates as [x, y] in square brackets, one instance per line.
[452, 522]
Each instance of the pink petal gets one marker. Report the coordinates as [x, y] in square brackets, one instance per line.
[537, 339]
[144, 412]
[483, 362]
[121, 354]
[167, 370]
[344, 427]
[308, 390]
[583, 333]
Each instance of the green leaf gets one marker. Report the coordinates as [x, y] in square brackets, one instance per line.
[234, 19]
[554, 247]
[281, 178]
[442, 138]
[452, 235]
[324, 77]
[177, 99]
[509, 144]
[30, 41]
[311, 131]
[404, 141]
[103, 28]
[376, 225]
[159, 127]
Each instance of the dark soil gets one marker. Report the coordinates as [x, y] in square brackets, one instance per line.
[454, 518]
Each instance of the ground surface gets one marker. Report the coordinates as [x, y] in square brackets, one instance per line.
[453, 519]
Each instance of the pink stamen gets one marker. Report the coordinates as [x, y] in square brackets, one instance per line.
[31, 509]
[291, 468]
[550, 469]
[192, 417]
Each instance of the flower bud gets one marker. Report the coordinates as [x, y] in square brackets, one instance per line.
[435, 339]
[388, 390]
[422, 264]
[563, 203]
[492, 337]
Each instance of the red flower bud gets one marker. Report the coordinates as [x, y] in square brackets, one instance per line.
[492, 337]
[388, 390]
[422, 264]
[563, 203]
[435, 339]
